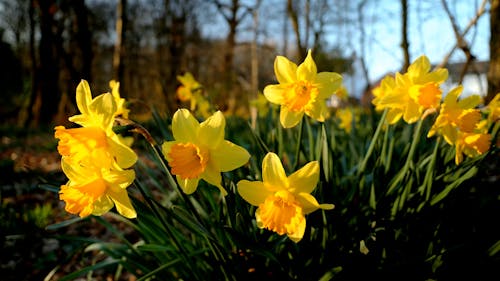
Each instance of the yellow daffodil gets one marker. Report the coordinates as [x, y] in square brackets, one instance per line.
[471, 144]
[199, 151]
[283, 201]
[188, 90]
[456, 116]
[96, 118]
[121, 110]
[94, 190]
[494, 109]
[91, 143]
[346, 117]
[301, 90]
[411, 93]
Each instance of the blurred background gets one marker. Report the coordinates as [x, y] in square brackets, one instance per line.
[48, 46]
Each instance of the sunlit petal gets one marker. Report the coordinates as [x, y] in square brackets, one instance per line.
[275, 93]
[305, 179]
[327, 83]
[219, 155]
[310, 204]
[122, 202]
[254, 192]
[285, 70]
[188, 185]
[211, 131]
[289, 119]
[184, 126]
[273, 173]
[307, 70]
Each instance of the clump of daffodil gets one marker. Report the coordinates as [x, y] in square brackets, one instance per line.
[301, 90]
[94, 158]
[200, 151]
[459, 122]
[410, 94]
[283, 201]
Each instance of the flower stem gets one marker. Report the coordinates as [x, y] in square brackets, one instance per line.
[369, 152]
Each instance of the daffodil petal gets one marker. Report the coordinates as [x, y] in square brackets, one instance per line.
[213, 177]
[121, 178]
[102, 205]
[102, 111]
[122, 202]
[328, 83]
[75, 172]
[285, 70]
[305, 179]
[289, 118]
[274, 93]
[307, 70]
[188, 185]
[318, 111]
[470, 102]
[310, 204]
[254, 192]
[273, 173]
[211, 131]
[125, 156]
[184, 126]
[229, 156]
[83, 97]
[299, 233]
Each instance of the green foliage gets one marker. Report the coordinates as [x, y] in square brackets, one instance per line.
[404, 210]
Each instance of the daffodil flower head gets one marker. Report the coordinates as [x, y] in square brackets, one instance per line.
[121, 110]
[283, 201]
[200, 151]
[93, 189]
[301, 90]
[456, 115]
[493, 109]
[189, 86]
[94, 112]
[93, 144]
[411, 93]
[471, 144]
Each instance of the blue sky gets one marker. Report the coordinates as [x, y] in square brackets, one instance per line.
[430, 32]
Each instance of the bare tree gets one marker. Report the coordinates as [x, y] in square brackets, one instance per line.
[119, 50]
[405, 45]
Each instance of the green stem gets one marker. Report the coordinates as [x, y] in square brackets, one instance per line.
[430, 171]
[413, 147]
[369, 152]
[299, 142]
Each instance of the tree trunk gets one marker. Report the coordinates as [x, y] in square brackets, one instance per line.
[48, 94]
[84, 38]
[494, 70]
[120, 51]
[292, 13]
[404, 32]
